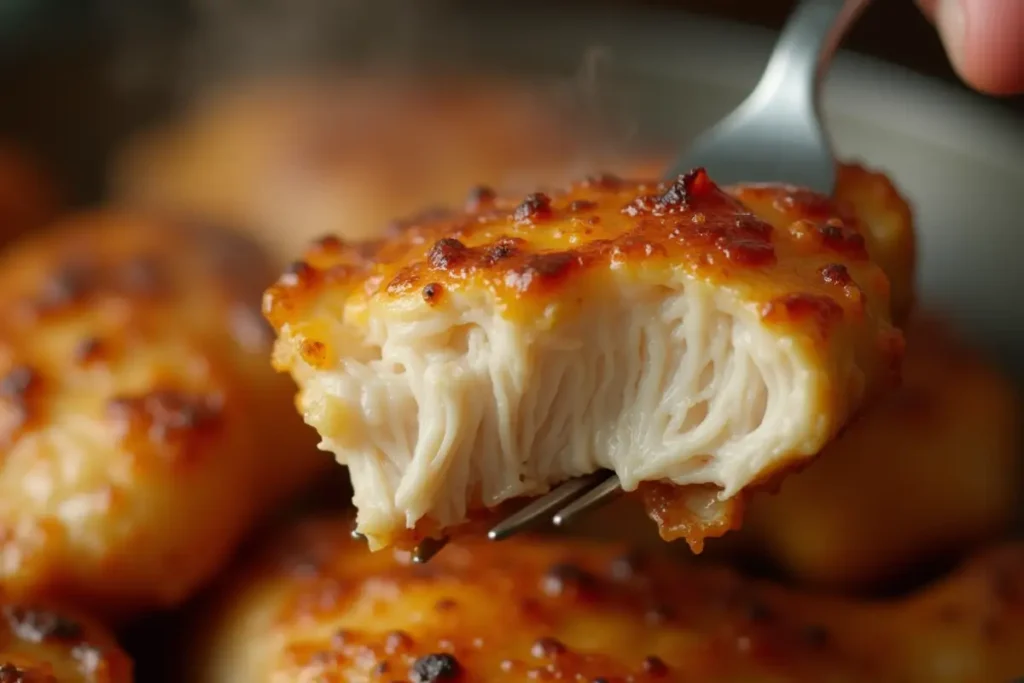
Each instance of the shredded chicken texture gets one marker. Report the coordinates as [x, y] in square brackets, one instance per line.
[41, 643]
[665, 331]
[292, 160]
[142, 430]
[318, 607]
[925, 474]
[932, 469]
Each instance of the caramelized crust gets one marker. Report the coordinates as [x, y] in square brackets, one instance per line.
[40, 644]
[296, 159]
[141, 430]
[28, 197]
[806, 281]
[317, 607]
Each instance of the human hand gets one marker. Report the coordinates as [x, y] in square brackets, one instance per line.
[984, 40]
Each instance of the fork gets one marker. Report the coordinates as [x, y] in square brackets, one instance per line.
[774, 135]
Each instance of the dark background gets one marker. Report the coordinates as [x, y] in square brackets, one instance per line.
[893, 30]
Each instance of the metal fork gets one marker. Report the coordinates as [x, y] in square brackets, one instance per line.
[774, 135]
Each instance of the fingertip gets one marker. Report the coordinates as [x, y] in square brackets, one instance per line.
[985, 39]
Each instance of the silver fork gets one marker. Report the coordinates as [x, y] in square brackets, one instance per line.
[774, 135]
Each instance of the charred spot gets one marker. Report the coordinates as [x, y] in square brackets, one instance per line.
[536, 206]
[144, 276]
[677, 197]
[169, 414]
[654, 666]
[18, 383]
[750, 223]
[547, 647]
[89, 350]
[565, 578]
[628, 566]
[603, 181]
[72, 282]
[382, 667]
[328, 243]
[837, 236]
[435, 667]
[36, 625]
[480, 197]
[799, 307]
[10, 673]
[746, 252]
[432, 292]
[835, 274]
[549, 265]
[501, 250]
[581, 205]
[445, 605]
[446, 253]
[398, 641]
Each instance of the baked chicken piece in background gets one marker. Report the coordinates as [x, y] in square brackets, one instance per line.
[28, 195]
[316, 606]
[930, 471]
[40, 643]
[660, 330]
[142, 430]
[293, 160]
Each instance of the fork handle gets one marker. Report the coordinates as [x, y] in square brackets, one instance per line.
[806, 45]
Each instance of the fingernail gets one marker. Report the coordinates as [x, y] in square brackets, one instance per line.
[952, 22]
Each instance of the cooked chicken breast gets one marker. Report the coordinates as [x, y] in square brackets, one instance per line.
[292, 160]
[43, 644]
[317, 607]
[660, 330]
[28, 195]
[948, 443]
[142, 430]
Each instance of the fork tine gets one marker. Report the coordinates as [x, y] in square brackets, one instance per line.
[543, 505]
[427, 548]
[601, 493]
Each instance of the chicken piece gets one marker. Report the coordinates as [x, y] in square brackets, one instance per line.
[948, 443]
[937, 462]
[316, 607]
[40, 643]
[659, 330]
[142, 430]
[28, 196]
[295, 160]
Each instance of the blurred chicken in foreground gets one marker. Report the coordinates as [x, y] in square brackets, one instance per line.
[141, 429]
[663, 330]
[41, 644]
[930, 471]
[316, 606]
[295, 160]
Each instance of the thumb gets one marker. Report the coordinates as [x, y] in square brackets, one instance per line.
[984, 40]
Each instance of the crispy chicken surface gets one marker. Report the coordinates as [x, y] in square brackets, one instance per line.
[665, 331]
[43, 644]
[318, 607]
[28, 197]
[930, 470]
[293, 160]
[141, 428]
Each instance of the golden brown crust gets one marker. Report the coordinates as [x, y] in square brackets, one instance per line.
[135, 400]
[41, 644]
[295, 159]
[28, 196]
[316, 606]
[807, 273]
